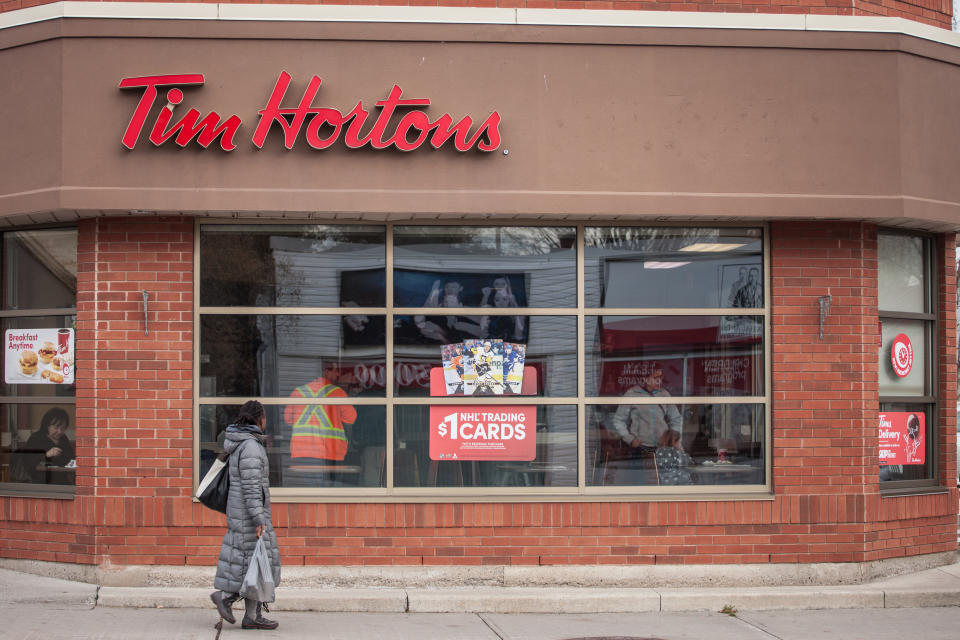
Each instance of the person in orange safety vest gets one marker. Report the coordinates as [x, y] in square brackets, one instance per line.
[318, 429]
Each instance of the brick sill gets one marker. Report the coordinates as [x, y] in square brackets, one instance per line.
[913, 491]
[59, 493]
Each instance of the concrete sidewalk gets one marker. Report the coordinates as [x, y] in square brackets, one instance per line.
[939, 587]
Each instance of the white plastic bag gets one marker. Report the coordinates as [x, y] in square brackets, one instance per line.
[258, 583]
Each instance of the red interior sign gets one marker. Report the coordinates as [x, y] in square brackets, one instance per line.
[902, 436]
[483, 432]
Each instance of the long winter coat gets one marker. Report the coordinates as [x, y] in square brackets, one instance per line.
[248, 505]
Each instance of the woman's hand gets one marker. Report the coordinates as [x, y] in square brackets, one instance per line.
[54, 452]
[260, 530]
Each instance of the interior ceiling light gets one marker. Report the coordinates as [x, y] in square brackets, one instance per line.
[712, 247]
[663, 265]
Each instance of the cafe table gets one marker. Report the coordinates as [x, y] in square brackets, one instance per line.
[721, 473]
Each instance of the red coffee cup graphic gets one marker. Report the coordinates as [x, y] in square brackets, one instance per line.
[63, 340]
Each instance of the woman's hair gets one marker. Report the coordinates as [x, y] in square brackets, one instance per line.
[669, 438]
[250, 413]
[54, 415]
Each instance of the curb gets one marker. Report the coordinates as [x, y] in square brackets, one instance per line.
[548, 600]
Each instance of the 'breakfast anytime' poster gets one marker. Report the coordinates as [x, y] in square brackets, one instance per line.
[38, 356]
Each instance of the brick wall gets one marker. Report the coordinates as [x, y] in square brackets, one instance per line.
[134, 397]
[134, 437]
[933, 12]
[138, 400]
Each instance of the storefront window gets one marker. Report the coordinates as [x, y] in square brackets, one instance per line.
[551, 461]
[292, 266]
[697, 355]
[670, 267]
[493, 363]
[37, 414]
[310, 445]
[498, 267]
[550, 352]
[273, 355]
[670, 444]
[907, 425]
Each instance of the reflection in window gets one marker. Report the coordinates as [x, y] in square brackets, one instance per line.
[274, 355]
[37, 444]
[37, 417]
[461, 295]
[550, 353]
[664, 267]
[310, 445]
[499, 267]
[675, 444]
[696, 355]
[901, 261]
[908, 430]
[40, 269]
[914, 383]
[292, 266]
[555, 464]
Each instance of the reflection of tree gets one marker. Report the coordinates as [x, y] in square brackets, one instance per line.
[904, 258]
[662, 240]
[465, 241]
[236, 269]
[231, 343]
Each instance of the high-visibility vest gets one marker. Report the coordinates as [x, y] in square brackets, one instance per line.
[318, 429]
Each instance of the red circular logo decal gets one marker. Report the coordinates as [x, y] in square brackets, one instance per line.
[901, 355]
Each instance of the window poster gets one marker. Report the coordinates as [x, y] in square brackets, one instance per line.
[514, 356]
[487, 365]
[452, 357]
[38, 356]
[483, 432]
[483, 367]
[902, 437]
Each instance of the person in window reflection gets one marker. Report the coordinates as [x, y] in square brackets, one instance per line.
[672, 460]
[736, 287]
[48, 446]
[318, 430]
[750, 295]
[502, 327]
[640, 425]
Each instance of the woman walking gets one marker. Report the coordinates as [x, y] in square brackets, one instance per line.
[248, 516]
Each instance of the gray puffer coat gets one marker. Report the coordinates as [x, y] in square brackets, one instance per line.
[248, 505]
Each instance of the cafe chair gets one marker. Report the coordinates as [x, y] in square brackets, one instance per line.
[451, 470]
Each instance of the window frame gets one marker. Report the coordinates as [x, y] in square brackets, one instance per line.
[24, 488]
[930, 399]
[581, 492]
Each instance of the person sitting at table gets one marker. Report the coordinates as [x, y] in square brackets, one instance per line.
[48, 446]
[672, 460]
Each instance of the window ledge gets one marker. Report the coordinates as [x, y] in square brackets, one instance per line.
[913, 491]
[62, 494]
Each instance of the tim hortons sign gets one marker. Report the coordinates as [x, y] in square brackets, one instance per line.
[322, 127]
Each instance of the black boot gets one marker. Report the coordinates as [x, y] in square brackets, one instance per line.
[259, 622]
[224, 601]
